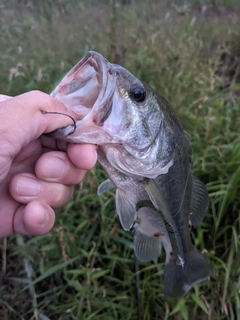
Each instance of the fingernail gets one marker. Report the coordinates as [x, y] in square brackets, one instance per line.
[43, 219]
[54, 168]
[27, 186]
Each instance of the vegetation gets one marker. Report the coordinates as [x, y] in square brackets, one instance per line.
[189, 52]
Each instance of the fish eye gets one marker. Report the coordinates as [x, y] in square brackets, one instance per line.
[139, 94]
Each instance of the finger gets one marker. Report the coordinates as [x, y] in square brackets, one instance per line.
[35, 218]
[3, 97]
[83, 155]
[24, 111]
[25, 188]
[55, 166]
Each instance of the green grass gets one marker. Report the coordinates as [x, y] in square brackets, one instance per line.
[84, 269]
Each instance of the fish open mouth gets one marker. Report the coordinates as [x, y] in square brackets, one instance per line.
[90, 82]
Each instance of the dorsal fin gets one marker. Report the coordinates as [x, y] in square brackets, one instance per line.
[199, 201]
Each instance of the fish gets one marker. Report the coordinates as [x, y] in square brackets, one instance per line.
[147, 157]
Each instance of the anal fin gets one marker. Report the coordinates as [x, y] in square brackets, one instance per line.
[150, 234]
[146, 247]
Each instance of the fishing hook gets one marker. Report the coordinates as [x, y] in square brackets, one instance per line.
[64, 114]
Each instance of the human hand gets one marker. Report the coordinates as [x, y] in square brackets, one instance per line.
[35, 176]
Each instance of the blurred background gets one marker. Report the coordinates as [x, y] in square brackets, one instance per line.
[189, 52]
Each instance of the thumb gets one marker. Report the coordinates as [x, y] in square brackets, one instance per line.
[22, 121]
[3, 97]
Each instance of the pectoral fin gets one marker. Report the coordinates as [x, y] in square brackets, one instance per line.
[199, 201]
[157, 199]
[160, 205]
[105, 186]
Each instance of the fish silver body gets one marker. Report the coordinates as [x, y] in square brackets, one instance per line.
[146, 155]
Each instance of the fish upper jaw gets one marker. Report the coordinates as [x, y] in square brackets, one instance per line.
[88, 86]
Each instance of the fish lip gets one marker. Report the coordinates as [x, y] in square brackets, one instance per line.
[101, 65]
[107, 71]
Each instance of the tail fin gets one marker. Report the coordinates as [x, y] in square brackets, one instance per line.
[178, 280]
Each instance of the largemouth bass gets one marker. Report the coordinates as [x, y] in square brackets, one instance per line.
[146, 155]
